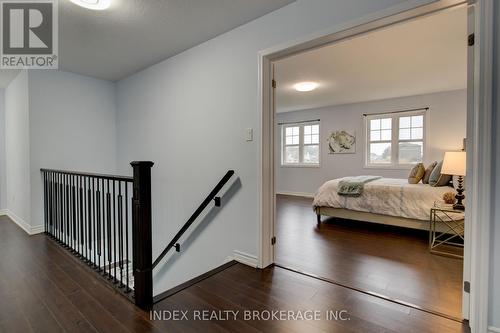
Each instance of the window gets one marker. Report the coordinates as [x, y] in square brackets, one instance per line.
[300, 144]
[396, 139]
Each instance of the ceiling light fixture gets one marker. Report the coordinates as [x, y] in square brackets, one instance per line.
[93, 4]
[305, 86]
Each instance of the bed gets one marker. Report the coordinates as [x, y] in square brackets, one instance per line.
[389, 201]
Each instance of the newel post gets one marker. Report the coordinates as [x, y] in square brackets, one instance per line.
[142, 234]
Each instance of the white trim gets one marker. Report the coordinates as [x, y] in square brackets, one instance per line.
[479, 136]
[300, 165]
[296, 194]
[493, 329]
[38, 229]
[22, 223]
[392, 15]
[479, 157]
[245, 258]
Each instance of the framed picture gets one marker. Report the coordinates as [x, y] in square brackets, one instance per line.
[342, 142]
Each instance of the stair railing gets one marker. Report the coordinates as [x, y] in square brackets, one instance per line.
[89, 215]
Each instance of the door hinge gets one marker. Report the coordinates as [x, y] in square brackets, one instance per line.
[470, 40]
[467, 286]
[273, 83]
[273, 240]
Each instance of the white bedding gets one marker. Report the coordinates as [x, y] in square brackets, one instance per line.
[386, 196]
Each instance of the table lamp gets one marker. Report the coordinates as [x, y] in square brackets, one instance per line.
[454, 164]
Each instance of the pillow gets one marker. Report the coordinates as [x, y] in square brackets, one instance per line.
[416, 173]
[437, 178]
[428, 172]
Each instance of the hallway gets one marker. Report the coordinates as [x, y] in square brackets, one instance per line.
[44, 289]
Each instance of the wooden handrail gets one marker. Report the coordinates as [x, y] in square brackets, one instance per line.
[89, 174]
[195, 215]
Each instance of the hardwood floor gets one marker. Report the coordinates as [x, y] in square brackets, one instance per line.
[44, 289]
[387, 260]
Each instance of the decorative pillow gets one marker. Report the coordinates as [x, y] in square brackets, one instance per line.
[416, 173]
[428, 172]
[437, 178]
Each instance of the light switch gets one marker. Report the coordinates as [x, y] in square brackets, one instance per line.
[249, 134]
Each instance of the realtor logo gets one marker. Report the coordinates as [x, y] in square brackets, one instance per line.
[29, 34]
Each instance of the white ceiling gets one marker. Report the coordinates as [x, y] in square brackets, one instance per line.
[134, 34]
[422, 56]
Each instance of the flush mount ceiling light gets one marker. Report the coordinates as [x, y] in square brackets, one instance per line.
[93, 4]
[305, 86]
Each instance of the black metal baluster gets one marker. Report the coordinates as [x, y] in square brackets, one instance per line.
[98, 209]
[108, 226]
[73, 213]
[94, 215]
[84, 221]
[71, 207]
[114, 231]
[54, 204]
[103, 224]
[46, 193]
[66, 196]
[52, 195]
[89, 221]
[68, 212]
[77, 215]
[51, 206]
[80, 196]
[120, 231]
[44, 203]
[61, 210]
[57, 206]
[61, 206]
[127, 288]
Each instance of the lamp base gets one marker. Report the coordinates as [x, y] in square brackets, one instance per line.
[460, 196]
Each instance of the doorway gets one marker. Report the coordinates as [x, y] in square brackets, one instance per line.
[475, 119]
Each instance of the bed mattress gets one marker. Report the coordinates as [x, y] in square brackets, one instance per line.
[386, 196]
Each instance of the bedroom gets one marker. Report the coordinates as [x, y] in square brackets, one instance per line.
[359, 107]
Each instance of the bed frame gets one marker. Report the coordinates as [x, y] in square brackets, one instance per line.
[370, 217]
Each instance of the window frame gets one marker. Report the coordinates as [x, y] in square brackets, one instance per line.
[395, 117]
[301, 145]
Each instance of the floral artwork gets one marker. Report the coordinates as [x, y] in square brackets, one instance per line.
[342, 142]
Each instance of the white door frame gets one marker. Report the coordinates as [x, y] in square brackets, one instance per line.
[476, 261]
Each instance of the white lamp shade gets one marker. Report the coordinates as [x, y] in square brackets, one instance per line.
[454, 163]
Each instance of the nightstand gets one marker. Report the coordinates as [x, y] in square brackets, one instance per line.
[446, 232]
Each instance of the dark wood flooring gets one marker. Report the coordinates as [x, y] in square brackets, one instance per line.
[391, 261]
[44, 289]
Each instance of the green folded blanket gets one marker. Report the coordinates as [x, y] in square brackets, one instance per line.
[353, 186]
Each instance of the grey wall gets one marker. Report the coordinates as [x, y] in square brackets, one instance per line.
[72, 127]
[3, 179]
[494, 307]
[446, 129]
[54, 119]
[189, 113]
[17, 149]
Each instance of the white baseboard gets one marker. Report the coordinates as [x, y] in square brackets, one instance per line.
[296, 194]
[23, 224]
[492, 329]
[38, 229]
[244, 258]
